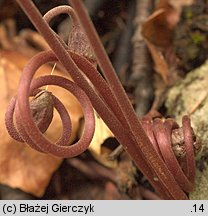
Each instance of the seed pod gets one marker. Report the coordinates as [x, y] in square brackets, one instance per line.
[79, 44]
[41, 107]
[177, 141]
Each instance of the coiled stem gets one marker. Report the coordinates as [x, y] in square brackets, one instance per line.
[148, 147]
[28, 131]
[162, 133]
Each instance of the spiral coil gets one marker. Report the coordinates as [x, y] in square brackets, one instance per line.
[26, 129]
[177, 154]
[176, 146]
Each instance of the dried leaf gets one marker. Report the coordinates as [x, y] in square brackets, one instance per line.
[177, 4]
[96, 148]
[158, 27]
[20, 166]
[158, 33]
[27, 42]
[161, 66]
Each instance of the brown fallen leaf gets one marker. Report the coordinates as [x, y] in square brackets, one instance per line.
[158, 33]
[178, 4]
[26, 42]
[161, 65]
[96, 148]
[20, 166]
[156, 28]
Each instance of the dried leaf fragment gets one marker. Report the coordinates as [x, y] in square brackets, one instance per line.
[158, 34]
[161, 66]
[96, 148]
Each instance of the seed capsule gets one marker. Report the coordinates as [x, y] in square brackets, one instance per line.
[41, 107]
[177, 141]
[79, 44]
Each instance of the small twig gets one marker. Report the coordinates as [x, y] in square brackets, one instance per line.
[122, 58]
[52, 71]
[92, 170]
[116, 152]
[141, 77]
[196, 106]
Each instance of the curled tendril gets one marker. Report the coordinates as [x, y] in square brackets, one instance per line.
[176, 146]
[77, 41]
[152, 152]
[26, 129]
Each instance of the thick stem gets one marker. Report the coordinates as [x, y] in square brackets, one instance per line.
[143, 142]
[141, 151]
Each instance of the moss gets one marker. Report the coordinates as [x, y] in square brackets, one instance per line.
[188, 14]
[197, 38]
[190, 36]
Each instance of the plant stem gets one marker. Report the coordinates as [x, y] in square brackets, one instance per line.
[138, 146]
[143, 142]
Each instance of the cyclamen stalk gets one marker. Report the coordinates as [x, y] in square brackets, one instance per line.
[148, 142]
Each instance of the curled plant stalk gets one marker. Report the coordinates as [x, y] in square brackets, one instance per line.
[148, 142]
[27, 128]
[176, 146]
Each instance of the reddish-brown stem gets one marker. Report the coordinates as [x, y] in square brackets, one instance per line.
[23, 105]
[96, 79]
[101, 86]
[138, 146]
[58, 10]
[108, 117]
[122, 135]
[163, 134]
[31, 128]
[145, 146]
[66, 121]
[189, 167]
[61, 9]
